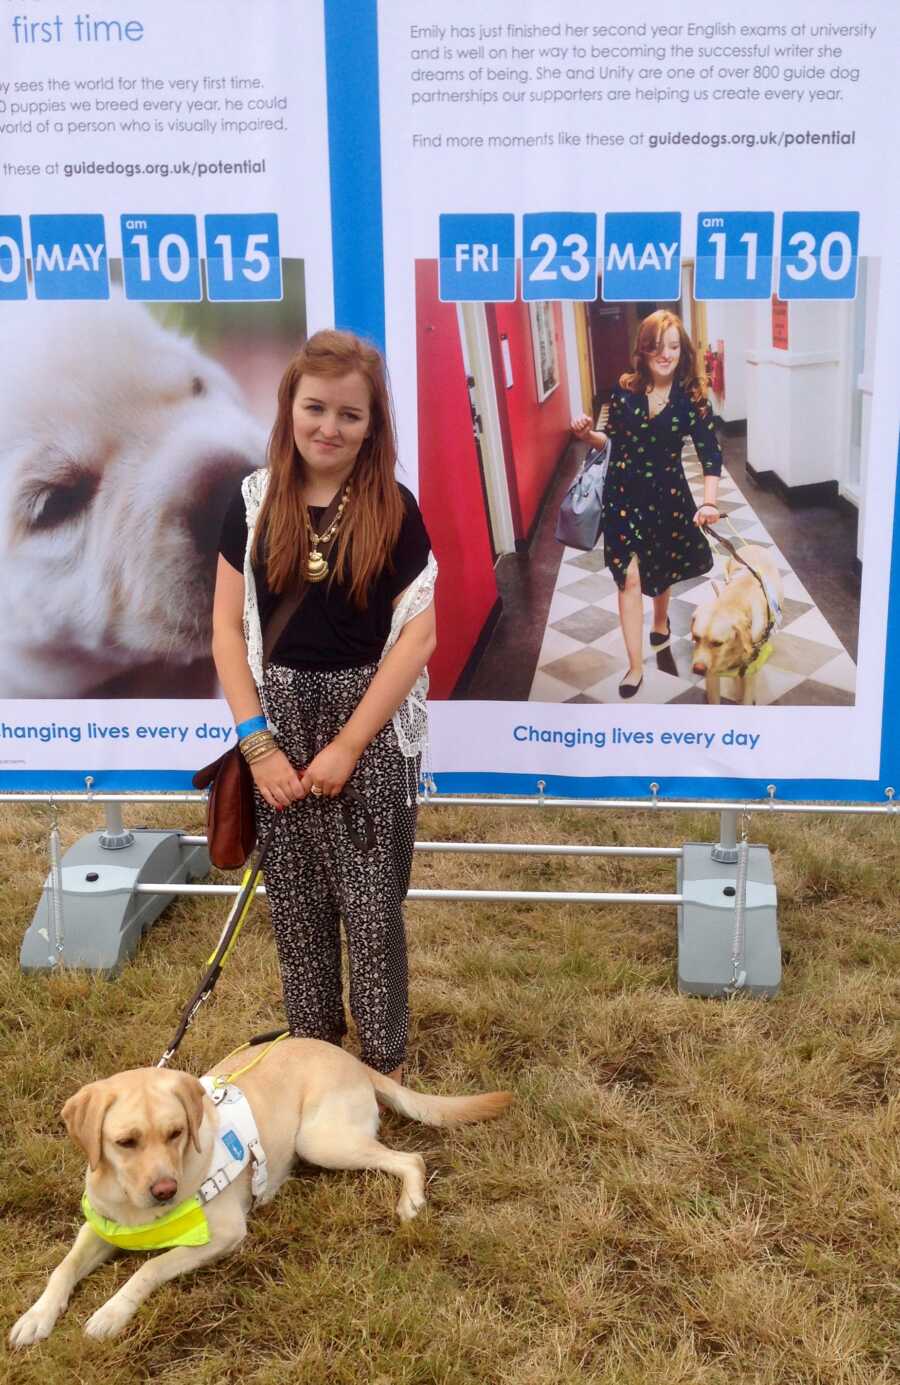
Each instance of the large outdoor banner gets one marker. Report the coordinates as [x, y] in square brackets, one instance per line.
[555, 175]
[165, 245]
[506, 195]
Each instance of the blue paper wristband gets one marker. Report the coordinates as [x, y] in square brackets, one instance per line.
[246, 728]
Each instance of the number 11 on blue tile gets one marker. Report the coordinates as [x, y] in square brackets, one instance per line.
[734, 254]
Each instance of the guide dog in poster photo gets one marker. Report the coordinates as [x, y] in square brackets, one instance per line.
[714, 448]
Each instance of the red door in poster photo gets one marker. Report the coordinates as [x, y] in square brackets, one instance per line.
[450, 485]
[494, 414]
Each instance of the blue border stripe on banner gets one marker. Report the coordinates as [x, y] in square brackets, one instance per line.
[354, 150]
[890, 722]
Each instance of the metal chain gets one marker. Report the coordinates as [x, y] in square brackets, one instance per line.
[739, 943]
[56, 931]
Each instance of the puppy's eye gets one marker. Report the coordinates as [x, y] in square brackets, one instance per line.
[55, 503]
[717, 644]
[128, 1143]
[174, 1135]
[198, 386]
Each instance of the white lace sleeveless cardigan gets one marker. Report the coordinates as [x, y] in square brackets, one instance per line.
[410, 721]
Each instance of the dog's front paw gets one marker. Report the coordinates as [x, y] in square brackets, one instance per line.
[109, 1320]
[33, 1326]
[410, 1205]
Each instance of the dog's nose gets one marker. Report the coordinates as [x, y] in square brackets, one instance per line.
[698, 667]
[164, 1189]
[210, 491]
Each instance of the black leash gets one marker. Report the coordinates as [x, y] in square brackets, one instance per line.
[234, 921]
[363, 839]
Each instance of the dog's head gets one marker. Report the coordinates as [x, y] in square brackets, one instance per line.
[722, 636]
[120, 446]
[728, 628]
[137, 1130]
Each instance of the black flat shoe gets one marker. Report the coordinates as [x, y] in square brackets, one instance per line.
[657, 641]
[629, 689]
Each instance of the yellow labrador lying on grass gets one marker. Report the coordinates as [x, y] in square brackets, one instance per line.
[156, 1141]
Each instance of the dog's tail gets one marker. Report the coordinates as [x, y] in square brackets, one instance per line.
[438, 1110]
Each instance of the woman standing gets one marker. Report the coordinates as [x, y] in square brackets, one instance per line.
[651, 526]
[326, 534]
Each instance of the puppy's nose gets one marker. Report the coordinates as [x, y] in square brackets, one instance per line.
[209, 491]
[698, 667]
[164, 1189]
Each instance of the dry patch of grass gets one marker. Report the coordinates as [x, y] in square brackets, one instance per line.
[689, 1192]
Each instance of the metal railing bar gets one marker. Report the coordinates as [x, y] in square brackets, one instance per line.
[662, 805]
[518, 848]
[447, 801]
[513, 896]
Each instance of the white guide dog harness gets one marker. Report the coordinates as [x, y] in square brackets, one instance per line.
[237, 1143]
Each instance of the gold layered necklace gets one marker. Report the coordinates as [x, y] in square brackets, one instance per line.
[316, 562]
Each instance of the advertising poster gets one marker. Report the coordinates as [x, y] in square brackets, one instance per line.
[165, 245]
[554, 178]
[507, 196]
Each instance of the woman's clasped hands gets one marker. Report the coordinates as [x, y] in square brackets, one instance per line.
[281, 784]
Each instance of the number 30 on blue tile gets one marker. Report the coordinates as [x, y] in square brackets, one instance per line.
[818, 254]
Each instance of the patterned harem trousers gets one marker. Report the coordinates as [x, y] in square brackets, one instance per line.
[317, 877]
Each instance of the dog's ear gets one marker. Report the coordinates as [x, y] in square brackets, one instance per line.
[190, 1093]
[84, 1114]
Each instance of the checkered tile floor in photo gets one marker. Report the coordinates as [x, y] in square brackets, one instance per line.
[582, 658]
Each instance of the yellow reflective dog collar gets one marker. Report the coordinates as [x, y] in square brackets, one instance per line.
[185, 1225]
[761, 658]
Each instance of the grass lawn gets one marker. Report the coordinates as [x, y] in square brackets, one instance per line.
[684, 1192]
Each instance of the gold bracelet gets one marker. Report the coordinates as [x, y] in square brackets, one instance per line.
[248, 747]
[254, 736]
[258, 738]
[261, 755]
[261, 743]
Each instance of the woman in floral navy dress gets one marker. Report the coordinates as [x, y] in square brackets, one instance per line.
[651, 528]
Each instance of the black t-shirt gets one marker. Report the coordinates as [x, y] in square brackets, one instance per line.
[328, 630]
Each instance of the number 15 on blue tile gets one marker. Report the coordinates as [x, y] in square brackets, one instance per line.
[243, 261]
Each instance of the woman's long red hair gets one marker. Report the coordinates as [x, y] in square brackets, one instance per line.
[650, 334]
[371, 522]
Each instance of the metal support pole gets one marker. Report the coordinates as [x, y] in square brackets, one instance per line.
[726, 849]
[115, 837]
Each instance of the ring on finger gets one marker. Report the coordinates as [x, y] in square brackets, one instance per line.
[316, 791]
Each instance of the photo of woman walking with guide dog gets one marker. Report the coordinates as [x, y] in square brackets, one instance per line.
[651, 527]
[322, 626]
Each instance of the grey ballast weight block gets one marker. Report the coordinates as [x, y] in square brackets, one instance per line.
[103, 918]
[706, 924]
